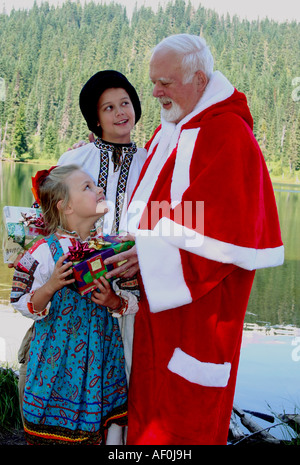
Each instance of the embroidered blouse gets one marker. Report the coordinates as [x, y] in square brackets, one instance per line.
[114, 167]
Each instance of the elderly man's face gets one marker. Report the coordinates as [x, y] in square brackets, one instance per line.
[177, 99]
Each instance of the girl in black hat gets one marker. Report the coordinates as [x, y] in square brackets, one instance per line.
[111, 108]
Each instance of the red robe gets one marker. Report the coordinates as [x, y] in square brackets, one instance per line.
[197, 275]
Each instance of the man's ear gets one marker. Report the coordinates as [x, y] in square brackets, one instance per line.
[202, 81]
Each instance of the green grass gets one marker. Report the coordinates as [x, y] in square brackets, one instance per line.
[10, 417]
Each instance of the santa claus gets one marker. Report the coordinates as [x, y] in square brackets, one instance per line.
[204, 217]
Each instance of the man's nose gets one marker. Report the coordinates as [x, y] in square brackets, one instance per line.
[158, 90]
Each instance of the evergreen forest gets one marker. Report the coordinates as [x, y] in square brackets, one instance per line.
[48, 53]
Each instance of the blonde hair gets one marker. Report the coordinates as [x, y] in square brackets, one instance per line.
[52, 190]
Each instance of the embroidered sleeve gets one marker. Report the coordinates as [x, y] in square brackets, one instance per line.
[29, 275]
[33, 312]
[129, 291]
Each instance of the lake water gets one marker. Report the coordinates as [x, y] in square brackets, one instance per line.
[269, 372]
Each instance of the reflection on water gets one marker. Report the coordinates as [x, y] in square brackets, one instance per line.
[265, 329]
[275, 296]
[5, 283]
[268, 374]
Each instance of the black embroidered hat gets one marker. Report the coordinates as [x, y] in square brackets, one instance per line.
[95, 86]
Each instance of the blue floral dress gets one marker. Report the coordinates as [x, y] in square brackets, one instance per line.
[76, 383]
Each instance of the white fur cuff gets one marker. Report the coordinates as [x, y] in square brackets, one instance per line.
[202, 373]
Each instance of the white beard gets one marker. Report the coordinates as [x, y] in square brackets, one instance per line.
[175, 112]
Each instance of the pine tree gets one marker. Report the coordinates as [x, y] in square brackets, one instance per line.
[48, 53]
[19, 141]
[50, 142]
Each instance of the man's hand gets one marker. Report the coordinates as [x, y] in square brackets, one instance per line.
[91, 137]
[78, 144]
[83, 142]
[127, 269]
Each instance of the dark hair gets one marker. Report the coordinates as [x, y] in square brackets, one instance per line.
[94, 88]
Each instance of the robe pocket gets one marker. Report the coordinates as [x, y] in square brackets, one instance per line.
[202, 373]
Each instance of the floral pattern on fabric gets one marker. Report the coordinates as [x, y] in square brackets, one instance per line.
[75, 383]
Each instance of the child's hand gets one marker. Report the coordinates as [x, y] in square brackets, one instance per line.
[44, 294]
[106, 296]
[14, 265]
[59, 277]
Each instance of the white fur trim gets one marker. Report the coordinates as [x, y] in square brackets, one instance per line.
[161, 267]
[148, 182]
[217, 90]
[181, 173]
[202, 373]
[213, 249]
[161, 270]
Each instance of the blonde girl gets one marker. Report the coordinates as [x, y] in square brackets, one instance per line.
[76, 383]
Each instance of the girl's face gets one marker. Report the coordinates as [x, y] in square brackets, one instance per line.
[116, 115]
[86, 200]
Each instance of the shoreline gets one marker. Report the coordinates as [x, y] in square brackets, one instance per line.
[274, 179]
[284, 182]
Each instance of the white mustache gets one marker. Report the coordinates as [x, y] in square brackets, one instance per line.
[165, 100]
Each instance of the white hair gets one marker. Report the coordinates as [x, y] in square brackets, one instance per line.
[196, 53]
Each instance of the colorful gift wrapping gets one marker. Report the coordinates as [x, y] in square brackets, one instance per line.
[23, 226]
[91, 265]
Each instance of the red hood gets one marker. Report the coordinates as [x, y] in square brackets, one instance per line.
[236, 103]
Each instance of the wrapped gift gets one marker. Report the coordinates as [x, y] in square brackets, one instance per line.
[91, 266]
[23, 227]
